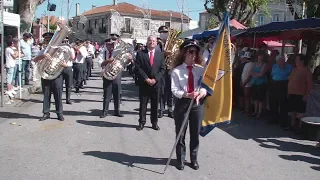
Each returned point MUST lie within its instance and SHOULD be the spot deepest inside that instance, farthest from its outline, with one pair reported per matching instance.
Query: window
(95, 23)
(127, 22)
(89, 23)
(261, 20)
(102, 23)
(275, 18)
(82, 26)
(146, 24)
(167, 24)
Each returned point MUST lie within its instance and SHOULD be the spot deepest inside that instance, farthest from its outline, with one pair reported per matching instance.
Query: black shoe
(118, 114)
(160, 114)
(103, 115)
(45, 117)
(156, 127)
(69, 102)
(170, 114)
(77, 90)
(140, 127)
(180, 166)
(60, 118)
(81, 87)
(195, 165)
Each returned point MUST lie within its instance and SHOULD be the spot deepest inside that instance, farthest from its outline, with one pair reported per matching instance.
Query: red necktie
(151, 58)
(190, 80)
(110, 54)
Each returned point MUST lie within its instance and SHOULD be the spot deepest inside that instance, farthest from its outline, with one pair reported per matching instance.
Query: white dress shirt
(206, 55)
(91, 49)
(179, 79)
(153, 51)
(73, 54)
(106, 53)
(83, 53)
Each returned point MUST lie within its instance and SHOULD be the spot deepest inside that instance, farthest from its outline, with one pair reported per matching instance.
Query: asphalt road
(87, 147)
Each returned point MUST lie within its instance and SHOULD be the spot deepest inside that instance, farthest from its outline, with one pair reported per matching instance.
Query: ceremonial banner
(217, 79)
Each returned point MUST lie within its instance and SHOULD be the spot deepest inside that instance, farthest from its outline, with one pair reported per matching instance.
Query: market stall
(9, 19)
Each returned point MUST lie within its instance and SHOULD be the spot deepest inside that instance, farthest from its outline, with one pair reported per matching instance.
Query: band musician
(81, 54)
(51, 86)
(166, 97)
(67, 73)
(150, 68)
(111, 87)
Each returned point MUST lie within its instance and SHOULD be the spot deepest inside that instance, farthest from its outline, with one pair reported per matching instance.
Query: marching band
(157, 81)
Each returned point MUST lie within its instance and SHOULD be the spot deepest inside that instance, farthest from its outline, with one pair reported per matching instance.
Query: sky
(192, 8)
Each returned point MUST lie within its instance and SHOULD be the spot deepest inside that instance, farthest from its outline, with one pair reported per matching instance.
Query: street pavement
(87, 147)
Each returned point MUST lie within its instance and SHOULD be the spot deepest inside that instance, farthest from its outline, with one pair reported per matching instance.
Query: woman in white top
(184, 78)
(11, 55)
(245, 82)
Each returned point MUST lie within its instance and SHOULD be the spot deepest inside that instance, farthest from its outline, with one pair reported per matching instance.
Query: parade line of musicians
(156, 83)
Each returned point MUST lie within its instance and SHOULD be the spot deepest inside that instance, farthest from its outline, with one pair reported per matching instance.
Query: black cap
(47, 34)
(108, 41)
(189, 43)
(79, 40)
(114, 36)
(27, 35)
(163, 29)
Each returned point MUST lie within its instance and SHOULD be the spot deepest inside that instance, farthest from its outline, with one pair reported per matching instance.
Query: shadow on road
(311, 160)
(11, 115)
(105, 124)
(128, 160)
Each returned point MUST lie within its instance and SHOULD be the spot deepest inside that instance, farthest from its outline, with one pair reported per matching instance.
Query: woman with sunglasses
(185, 75)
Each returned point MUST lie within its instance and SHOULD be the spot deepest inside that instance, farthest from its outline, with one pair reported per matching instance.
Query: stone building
(131, 22)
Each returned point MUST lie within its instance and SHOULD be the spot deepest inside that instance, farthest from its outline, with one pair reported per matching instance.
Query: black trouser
(89, 67)
(146, 93)
(195, 118)
(84, 72)
(67, 75)
(278, 101)
(111, 87)
(26, 70)
(54, 86)
(78, 74)
(166, 94)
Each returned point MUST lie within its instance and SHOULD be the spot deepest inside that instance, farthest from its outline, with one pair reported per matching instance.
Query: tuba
(50, 67)
(121, 52)
(172, 45)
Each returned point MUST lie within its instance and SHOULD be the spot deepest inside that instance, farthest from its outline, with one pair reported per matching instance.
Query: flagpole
(192, 101)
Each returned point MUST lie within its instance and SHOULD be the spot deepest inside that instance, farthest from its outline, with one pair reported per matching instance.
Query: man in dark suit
(150, 68)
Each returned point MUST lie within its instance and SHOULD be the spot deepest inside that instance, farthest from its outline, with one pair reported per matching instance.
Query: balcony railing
(127, 31)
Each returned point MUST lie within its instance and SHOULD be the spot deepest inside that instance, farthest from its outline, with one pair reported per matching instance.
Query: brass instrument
(50, 67)
(122, 52)
(172, 47)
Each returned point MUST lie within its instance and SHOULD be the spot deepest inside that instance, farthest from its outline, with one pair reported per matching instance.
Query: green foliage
(241, 10)
(53, 27)
(212, 23)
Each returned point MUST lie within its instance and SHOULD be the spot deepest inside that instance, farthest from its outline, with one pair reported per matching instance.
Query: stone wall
(137, 24)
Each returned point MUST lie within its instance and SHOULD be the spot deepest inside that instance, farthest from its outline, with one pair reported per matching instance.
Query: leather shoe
(170, 114)
(180, 166)
(69, 102)
(45, 117)
(156, 127)
(195, 165)
(160, 114)
(118, 114)
(60, 118)
(140, 127)
(103, 115)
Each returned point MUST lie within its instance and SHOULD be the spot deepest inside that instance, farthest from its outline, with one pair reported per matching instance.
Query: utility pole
(303, 16)
(68, 11)
(182, 14)
(48, 14)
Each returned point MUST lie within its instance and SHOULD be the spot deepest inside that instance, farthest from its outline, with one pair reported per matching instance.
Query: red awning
(276, 44)
(237, 25)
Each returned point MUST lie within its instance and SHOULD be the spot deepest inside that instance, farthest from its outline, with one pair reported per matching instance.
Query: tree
(240, 10)
(26, 9)
(212, 23)
(312, 10)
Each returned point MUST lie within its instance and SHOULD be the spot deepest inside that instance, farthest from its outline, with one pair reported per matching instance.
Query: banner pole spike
(179, 135)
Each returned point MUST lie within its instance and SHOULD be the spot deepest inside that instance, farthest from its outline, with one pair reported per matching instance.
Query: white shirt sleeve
(73, 54)
(177, 91)
(205, 55)
(83, 51)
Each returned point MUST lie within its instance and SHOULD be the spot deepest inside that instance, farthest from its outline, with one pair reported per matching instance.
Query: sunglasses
(192, 51)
